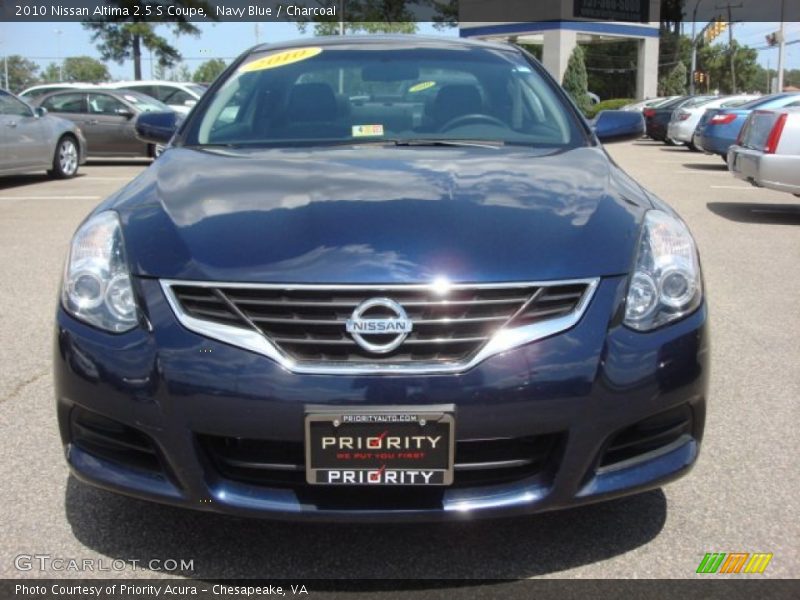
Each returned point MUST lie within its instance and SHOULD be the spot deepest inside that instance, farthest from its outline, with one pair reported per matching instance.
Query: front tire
(65, 160)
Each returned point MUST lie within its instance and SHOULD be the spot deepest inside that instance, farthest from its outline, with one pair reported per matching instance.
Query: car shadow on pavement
(705, 166)
(758, 213)
(119, 162)
(127, 529)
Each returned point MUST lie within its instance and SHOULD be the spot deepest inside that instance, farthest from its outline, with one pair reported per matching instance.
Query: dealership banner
(446, 12)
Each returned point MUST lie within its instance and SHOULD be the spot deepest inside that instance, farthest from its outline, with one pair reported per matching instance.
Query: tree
(119, 40)
(209, 70)
(85, 68)
(21, 72)
(52, 73)
(714, 60)
(674, 84)
(181, 73)
(576, 83)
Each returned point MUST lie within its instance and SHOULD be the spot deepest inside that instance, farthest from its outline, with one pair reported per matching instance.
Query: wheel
(669, 142)
(155, 150)
(65, 160)
(692, 147)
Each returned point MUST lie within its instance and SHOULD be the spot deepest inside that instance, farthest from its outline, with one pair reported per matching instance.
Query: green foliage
(575, 80)
(612, 104)
(716, 62)
(611, 68)
(674, 83)
(21, 73)
(209, 70)
(84, 68)
(52, 73)
(121, 40)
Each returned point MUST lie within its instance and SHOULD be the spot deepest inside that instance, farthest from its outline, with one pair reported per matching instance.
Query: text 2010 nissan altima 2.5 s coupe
(382, 278)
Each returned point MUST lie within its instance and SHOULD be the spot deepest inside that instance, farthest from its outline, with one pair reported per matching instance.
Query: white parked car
(767, 151)
(37, 91)
(179, 96)
(684, 120)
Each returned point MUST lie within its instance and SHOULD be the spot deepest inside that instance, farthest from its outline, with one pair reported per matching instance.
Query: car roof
(400, 41)
(117, 84)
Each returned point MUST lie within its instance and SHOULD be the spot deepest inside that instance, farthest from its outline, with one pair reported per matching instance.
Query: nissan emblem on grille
(359, 325)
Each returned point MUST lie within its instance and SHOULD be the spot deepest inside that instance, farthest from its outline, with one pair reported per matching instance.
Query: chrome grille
(307, 323)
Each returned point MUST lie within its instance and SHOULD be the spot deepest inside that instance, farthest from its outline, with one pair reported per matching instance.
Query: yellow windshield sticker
(425, 85)
(280, 59)
(367, 130)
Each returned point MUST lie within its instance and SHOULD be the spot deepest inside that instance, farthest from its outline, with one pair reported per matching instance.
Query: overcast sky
(43, 43)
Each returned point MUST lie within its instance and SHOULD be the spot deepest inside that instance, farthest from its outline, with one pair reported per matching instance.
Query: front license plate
(379, 447)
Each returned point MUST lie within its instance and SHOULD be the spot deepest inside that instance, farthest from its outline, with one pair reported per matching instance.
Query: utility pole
(781, 49)
(732, 49)
(58, 33)
(694, 47)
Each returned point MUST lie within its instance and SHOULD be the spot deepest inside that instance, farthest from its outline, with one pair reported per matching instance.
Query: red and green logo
(734, 562)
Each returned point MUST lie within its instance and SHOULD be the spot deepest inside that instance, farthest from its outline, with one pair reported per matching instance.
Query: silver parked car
(767, 152)
(32, 140)
(684, 121)
(106, 117)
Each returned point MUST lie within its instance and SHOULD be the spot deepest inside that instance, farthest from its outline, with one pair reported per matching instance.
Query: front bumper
(774, 171)
(588, 389)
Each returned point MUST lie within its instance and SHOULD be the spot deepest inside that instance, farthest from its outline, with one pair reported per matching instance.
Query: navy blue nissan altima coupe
(382, 278)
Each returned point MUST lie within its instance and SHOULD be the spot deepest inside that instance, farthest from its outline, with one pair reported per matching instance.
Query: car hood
(371, 213)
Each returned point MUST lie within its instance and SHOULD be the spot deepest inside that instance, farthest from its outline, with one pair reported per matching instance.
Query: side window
(104, 104)
(175, 96)
(147, 90)
(65, 103)
(12, 107)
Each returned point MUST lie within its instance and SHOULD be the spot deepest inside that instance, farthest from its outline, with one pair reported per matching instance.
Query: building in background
(559, 26)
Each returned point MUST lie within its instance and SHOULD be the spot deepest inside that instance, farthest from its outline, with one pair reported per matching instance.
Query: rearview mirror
(156, 127)
(618, 125)
(387, 71)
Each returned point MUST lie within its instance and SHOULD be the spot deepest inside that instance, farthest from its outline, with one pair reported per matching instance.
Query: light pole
(694, 47)
(781, 49)
(58, 33)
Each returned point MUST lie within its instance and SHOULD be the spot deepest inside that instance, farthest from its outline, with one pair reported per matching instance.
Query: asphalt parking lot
(741, 497)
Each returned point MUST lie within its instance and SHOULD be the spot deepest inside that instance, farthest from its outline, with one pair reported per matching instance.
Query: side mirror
(156, 127)
(124, 112)
(40, 111)
(618, 126)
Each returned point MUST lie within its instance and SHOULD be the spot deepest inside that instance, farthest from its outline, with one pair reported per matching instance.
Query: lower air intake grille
(308, 323)
(648, 435)
(477, 462)
(113, 441)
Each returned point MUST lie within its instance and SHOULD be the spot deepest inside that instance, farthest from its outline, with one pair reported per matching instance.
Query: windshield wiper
(447, 142)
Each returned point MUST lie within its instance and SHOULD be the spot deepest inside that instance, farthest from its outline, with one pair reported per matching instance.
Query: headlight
(97, 286)
(666, 283)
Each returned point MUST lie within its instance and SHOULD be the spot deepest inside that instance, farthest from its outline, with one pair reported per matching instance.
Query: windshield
(358, 93)
(198, 89)
(144, 103)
